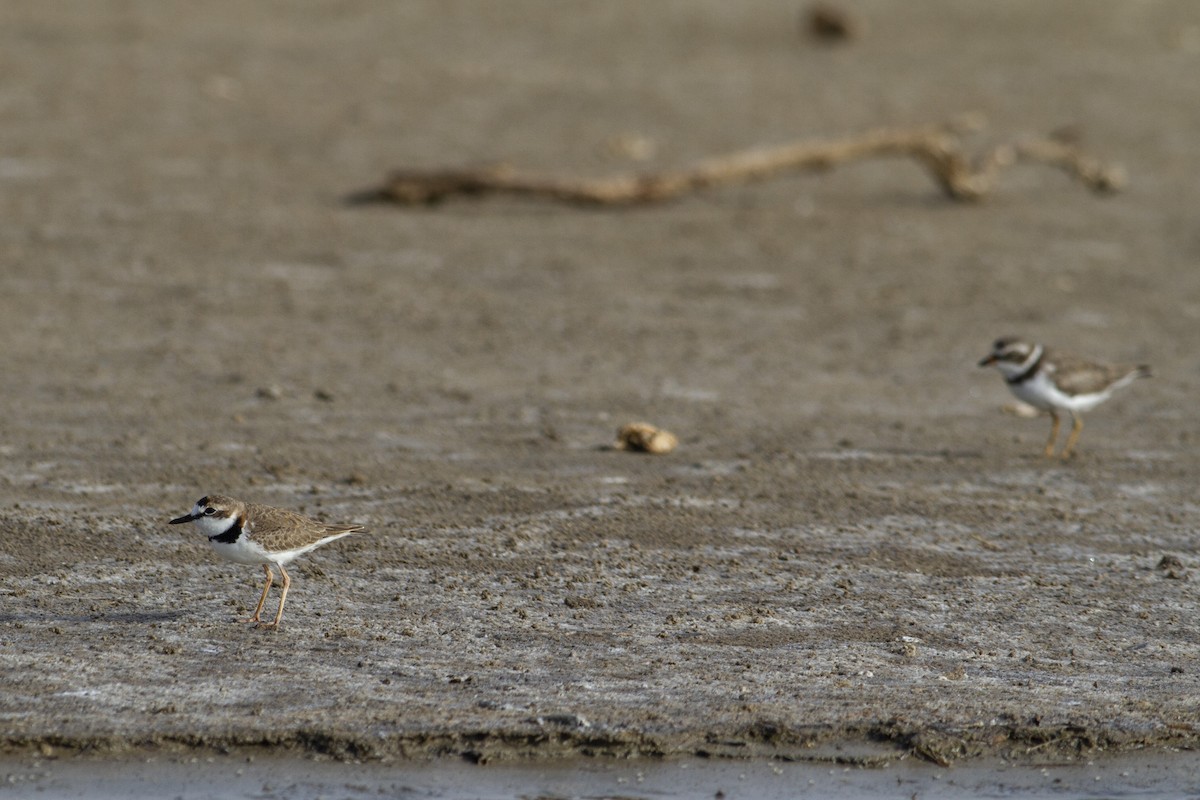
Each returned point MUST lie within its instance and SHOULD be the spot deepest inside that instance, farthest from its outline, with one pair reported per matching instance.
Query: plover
(1053, 381)
(249, 533)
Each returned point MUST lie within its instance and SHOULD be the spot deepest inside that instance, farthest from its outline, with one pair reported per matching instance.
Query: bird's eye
(208, 512)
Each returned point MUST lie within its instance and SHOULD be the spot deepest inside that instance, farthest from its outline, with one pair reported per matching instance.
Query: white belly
(247, 551)
(1040, 391)
(243, 551)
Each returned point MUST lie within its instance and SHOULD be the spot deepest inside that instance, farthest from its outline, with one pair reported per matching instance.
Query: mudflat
(852, 553)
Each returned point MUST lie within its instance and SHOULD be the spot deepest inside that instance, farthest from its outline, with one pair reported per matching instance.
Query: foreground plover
(1054, 382)
(249, 533)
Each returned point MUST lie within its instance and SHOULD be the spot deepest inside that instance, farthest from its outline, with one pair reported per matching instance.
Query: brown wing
(279, 529)
(1075, 375)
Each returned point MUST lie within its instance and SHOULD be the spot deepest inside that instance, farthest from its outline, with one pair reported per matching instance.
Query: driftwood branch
(939, 148)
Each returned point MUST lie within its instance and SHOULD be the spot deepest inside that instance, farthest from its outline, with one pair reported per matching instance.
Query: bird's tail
(1143, 371)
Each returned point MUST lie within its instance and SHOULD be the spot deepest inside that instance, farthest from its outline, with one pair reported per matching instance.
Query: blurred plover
(249, 533)
(1053, 381)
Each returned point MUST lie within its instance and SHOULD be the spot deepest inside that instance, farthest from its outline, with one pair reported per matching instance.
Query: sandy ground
(852, 554)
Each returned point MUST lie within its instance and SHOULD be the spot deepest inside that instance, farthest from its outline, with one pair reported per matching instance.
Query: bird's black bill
(184, 518)
(987, 362)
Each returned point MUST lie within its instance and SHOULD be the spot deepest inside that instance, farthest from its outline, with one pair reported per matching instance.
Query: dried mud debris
(939, 148)
(642, 437)
(831, 23)
(1172, 567)
(1021, 409)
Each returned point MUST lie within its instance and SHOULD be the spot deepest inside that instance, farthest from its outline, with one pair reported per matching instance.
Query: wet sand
(264, 778)
(852, 545)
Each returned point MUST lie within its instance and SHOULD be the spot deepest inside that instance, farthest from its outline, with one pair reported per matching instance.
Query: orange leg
(1049, 451)
(1076, 429)
(287, 582)
(263, 599)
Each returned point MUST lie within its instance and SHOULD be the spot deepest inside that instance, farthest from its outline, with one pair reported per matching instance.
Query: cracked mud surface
(851, 554)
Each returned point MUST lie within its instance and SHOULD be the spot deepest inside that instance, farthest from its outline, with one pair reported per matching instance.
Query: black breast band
(230, 536)
(1026, 374)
